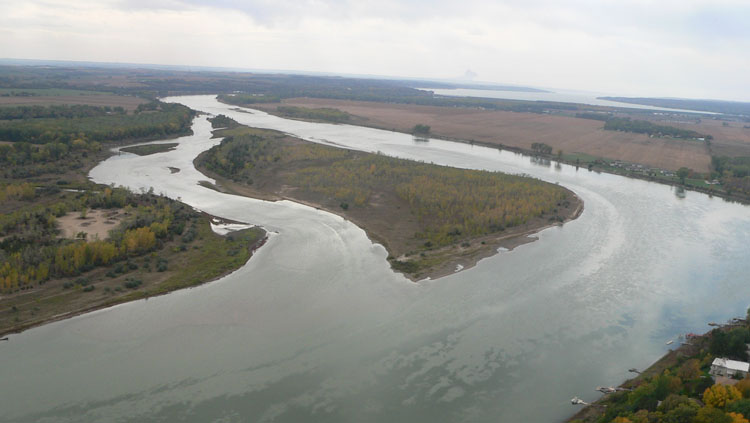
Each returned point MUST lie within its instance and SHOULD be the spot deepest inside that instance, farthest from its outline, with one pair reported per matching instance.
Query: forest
(650, 128)
(449, 204)
(32, 252)
(50, 140)
(160, 120)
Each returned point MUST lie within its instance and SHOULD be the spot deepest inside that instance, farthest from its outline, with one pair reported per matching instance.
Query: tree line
(61, 111)
(322, 113)
(650, 128)
(165, 120)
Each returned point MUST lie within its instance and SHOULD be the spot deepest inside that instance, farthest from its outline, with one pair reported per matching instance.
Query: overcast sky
(678, 48)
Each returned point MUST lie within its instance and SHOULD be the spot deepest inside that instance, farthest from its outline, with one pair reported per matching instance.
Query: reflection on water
(679, 192)
(317, 328)
(540, 161)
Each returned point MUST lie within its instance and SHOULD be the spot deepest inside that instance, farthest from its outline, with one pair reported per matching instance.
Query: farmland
(521, 130)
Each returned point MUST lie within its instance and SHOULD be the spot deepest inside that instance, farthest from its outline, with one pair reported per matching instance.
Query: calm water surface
(578, 97)
(316, 327)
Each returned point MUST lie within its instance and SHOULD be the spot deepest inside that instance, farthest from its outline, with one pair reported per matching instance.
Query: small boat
(670, 342)
(578, 401)
(4, 339)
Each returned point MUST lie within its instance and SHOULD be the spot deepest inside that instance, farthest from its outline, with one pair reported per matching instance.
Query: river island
(433, 220)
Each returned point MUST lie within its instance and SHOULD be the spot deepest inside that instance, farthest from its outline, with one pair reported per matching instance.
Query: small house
(729, 368)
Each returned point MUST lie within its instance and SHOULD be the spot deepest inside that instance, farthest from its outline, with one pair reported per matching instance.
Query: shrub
(162, 265)
(132, 283)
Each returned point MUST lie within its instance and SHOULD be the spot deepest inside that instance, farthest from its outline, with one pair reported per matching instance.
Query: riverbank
(419, 245)
(517, 130)
(592, 412)
(681, 376)
(62, 260)
(582, 142)
(177, 265)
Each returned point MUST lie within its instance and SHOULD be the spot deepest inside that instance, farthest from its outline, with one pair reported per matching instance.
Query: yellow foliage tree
(720, 395)
(738, 418)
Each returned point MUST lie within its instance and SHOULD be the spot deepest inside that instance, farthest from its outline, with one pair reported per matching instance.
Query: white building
(728, 368)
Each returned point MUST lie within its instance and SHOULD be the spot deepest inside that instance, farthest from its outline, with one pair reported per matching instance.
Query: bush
(162, 265)
(132, 283)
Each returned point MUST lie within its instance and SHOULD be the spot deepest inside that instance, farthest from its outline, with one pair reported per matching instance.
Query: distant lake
(559, 96)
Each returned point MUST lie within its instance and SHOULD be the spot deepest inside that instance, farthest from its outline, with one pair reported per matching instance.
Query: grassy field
(428, 217)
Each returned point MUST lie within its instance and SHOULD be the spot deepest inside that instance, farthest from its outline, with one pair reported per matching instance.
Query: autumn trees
(450, 204)
(31, 252)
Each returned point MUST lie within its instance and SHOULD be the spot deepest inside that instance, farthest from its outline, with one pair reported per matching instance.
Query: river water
(576, 97)
(316, 327)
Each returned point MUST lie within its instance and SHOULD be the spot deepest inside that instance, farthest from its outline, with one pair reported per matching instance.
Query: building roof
(731, 364)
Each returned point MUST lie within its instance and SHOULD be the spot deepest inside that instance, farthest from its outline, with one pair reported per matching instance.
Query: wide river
(317, 328)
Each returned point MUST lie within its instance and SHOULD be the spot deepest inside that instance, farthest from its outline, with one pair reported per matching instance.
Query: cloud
(675, 48)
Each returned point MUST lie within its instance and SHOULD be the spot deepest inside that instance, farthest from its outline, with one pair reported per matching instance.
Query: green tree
(740, 406)
(421, 129)
(683, 173)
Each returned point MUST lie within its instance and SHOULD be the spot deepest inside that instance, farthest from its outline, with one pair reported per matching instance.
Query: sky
(671, 48)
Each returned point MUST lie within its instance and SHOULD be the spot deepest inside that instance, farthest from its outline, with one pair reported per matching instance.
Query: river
(317, 328)
(559, 96)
